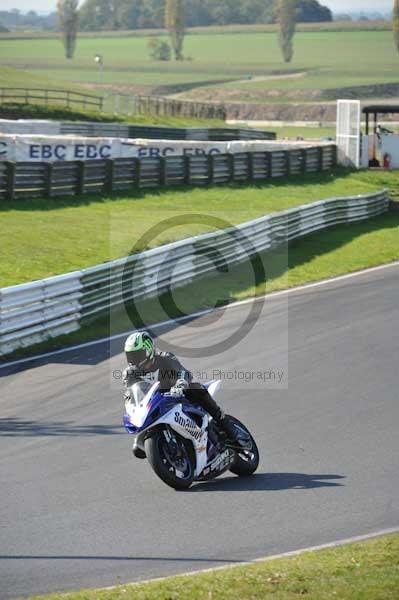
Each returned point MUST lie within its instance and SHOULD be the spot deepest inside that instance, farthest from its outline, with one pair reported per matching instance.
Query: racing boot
(228, 428)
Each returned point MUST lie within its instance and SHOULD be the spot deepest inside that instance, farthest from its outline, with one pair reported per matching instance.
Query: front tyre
(247, 459)
(171, 458)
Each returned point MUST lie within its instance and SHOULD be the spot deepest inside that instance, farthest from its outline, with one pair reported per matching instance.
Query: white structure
(377, 147)
(348, 132)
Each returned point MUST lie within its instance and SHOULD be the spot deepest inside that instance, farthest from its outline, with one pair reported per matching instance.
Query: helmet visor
(136, 358)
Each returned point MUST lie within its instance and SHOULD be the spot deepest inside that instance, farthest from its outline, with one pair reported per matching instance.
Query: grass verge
(33, 229)
(363, 571)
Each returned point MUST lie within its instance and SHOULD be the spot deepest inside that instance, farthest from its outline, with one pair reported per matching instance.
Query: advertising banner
(39, 148)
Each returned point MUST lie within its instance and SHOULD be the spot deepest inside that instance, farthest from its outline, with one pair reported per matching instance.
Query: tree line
(149, 14)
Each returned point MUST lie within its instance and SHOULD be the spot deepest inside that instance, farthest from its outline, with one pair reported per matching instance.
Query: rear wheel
(247, 459)
(171, 458)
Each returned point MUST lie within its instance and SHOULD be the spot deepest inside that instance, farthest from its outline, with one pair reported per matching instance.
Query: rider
(146, 362)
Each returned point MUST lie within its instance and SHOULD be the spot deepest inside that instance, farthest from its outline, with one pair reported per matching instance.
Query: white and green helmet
(139, 348)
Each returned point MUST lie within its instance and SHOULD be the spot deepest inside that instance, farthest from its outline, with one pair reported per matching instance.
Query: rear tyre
(247, 460)
(172, 461)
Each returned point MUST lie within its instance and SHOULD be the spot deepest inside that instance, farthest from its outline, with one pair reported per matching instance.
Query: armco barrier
(32, 179)
(163, 133)
(124, 130)
(36, 311)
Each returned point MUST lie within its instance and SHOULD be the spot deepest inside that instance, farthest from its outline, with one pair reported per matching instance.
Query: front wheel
(247, 459)
(171, 459)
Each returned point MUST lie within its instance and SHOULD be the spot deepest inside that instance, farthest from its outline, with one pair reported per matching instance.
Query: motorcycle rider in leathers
(145, 362)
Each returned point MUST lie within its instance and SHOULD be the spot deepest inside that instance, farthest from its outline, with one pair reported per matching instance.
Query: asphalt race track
(77, 511)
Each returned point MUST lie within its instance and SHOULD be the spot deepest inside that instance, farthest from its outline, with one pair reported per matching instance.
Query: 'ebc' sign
(51, 152)
(27, 148)
(39, 148)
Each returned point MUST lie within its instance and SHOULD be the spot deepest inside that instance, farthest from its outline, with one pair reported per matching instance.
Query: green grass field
(327, 60)
(31, 229)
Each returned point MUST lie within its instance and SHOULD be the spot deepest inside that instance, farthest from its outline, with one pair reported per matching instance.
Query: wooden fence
(29, 179)
(172, 107)
(67, 98)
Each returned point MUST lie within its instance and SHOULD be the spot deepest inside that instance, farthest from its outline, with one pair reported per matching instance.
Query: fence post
(211, 167)
(48, 179)
(68, 99)
(80, 181)
(10, 180)
(319, 158)
(109, 175)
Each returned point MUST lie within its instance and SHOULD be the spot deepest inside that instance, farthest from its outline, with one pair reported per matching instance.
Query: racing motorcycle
(181, 441)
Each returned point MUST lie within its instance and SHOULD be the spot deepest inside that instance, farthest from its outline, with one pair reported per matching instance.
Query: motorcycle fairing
(177, 417)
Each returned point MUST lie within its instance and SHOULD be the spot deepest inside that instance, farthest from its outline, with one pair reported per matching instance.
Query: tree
(287, 19)
(310, 11)
(69, 19)
(395, 23)
(174, 23)
(159, 49)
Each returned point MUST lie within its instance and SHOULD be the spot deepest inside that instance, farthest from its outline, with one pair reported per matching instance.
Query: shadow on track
(13, 427)
(119, 558)
(263, 482)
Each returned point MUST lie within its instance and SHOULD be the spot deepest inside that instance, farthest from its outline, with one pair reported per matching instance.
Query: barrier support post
(287, 163)
(334, 151)
(162, 170)
(48, 179)
(80, 181)
(268, 164)
(304, 156)
(11, 177)
(230, 160)
(137, 170)
(187, 165)
(250, 159)
(319, 158)
(211, 165)
(109, 175)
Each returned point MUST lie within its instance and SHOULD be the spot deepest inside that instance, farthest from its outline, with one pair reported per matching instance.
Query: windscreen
(139, 390)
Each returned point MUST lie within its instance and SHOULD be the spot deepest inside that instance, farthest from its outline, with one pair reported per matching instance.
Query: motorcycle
(181, 441)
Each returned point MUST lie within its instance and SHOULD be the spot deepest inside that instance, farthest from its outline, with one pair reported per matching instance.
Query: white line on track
(201, 313)
(335, 544)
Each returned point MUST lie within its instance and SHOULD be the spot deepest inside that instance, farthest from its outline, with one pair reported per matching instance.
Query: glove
(126, 374)
(177, 391)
